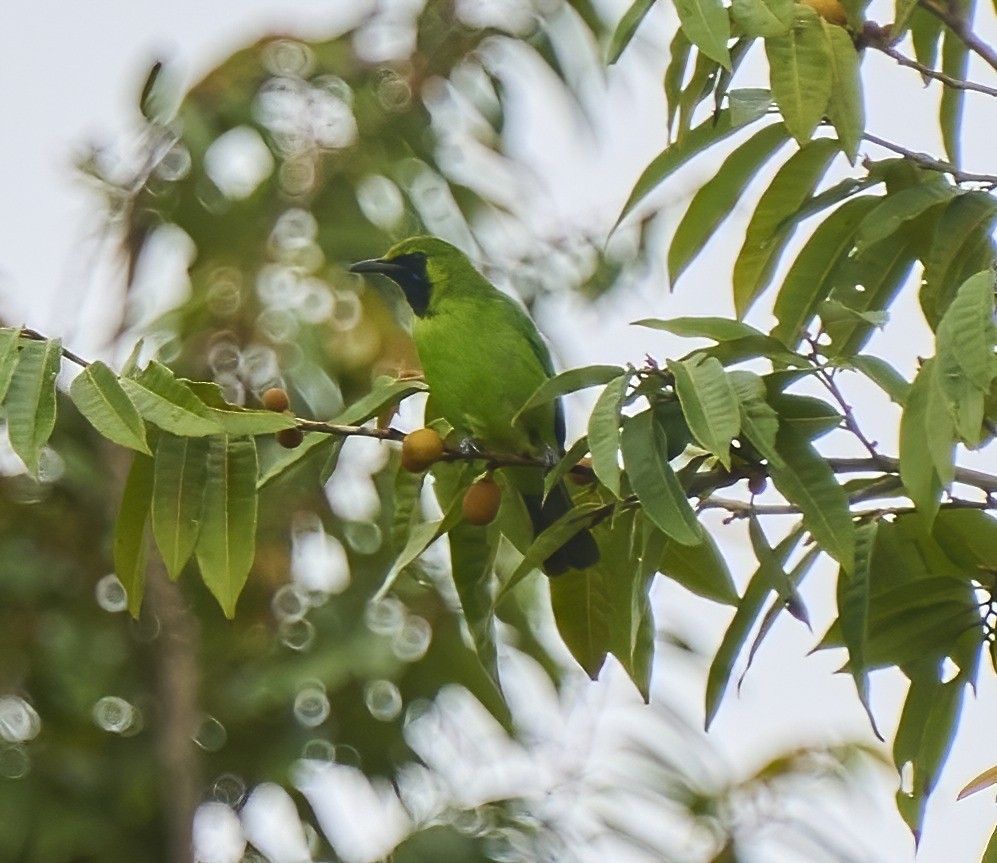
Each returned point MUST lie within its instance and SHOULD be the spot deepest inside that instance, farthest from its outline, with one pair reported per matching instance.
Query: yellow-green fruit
(420, 449)
(276, 400)
(290, 438)
(829, 10)
(481, 502)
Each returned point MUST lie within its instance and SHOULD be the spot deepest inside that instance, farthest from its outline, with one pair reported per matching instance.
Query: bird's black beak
(378, 265)
(406, 271)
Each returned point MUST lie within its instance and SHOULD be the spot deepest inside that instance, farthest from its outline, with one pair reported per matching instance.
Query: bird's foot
(550, 458)
(470, 447)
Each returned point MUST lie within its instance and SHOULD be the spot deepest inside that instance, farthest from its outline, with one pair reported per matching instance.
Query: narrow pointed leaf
(604, 433)
(707, 25)
(675, 73)
(748, 104)
(764, 240)
(102, 400)
(568, 461)
(811, 278)
(31, 399)
(166, 402)
(806, 480)
(846, 108)
(709, 404)
(627, 28)
(178, 498)
(883, 375)
(955, 64)
(901, 207)
(130, 551)
(716, 199)
(568, 382)
(917, 469)
(226, 544)
(759, 421)
(654, 482)
(798, 63)
(580, 607)
(700, 569)
(471, 559)
(709, 132)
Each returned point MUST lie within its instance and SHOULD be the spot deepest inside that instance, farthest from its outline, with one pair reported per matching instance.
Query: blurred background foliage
(289, 160)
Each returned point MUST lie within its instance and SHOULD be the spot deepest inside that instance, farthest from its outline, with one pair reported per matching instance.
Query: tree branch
(930, 163)
(35, 336)
(958, 24)
(928, 72)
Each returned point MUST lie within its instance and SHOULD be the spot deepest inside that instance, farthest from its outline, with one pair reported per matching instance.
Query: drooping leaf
(699, 568)
(764, 240)
(715, 200)
(759, 421)
(962, 245)
(471, 559)
(678, 60)
(811, 277)
(748, 103)
(853, 612)
(846, 108)
(166, 402)
(129, 531)
(701, 84)
(748, 609)
(604, 433)
(798, 64)
(568, 461)
(580, 609)
(102, 400)
(419, 538)
(806, 480)
(925, 32)
(31, 399)
(955, 64)
(568, 382)
(763, 17)
(709, 404)
(806, 415)
(917, 467)
(887, 378)
(237, 421)
(627, 28)
(654, 482)
(178, 498)
(226, 543)
(707, 25)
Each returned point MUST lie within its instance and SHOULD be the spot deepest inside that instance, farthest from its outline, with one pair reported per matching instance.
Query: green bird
(482, 358)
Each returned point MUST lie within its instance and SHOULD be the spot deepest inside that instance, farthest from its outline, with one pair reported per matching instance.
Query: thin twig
(958, 24)
(743, 509)
(929, 162)
(35, 336)
(928, 72)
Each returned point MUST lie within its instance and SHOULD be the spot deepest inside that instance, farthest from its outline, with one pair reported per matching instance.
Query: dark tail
(578, 552)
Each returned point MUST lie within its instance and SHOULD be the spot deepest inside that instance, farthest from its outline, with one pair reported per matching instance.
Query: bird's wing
(542, 353)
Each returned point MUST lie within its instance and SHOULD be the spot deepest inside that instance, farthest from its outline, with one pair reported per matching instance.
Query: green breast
(481, 368)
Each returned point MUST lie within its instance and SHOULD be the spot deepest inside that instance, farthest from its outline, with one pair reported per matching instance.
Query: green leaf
(314, 448)
(604, 433)
(925, 31)
(812, 275)
(718, 329)
(709, 404)
(178, 498)
(673, 157)
(955, 64)
(759, 421)
(654, 482)
(853, 612)
(31, 399)
(101, 399)
(386, 391)
(764, 239)
(166, 402)
(763, 17)
(702, 82)
(748, 609)
(846, 109)
(678, 60)
(799, 62)
(968, 537)
(902, 11)
(962, 245)
(883, 375)
(419, 538)
(568, 461)
(700, 569)
(580, 607)
(917, 465)
(716, 199)
(964, 365)
(899, 208)
(629, 549)
(226, 544)
(471, 559)
(806, 480)
(235, 420)
(748, 104)
(9, 339)
(707, 25)
(810, 417)
(568, 382)
(130, 550)
(626, 29)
